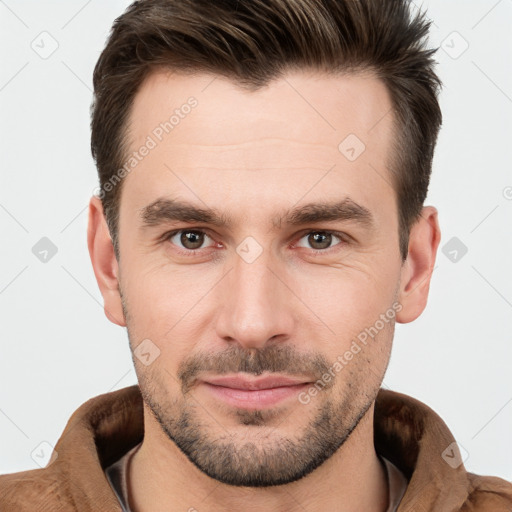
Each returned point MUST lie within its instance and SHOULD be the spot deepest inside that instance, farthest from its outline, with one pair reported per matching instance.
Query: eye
(321, 240)
(188, 239)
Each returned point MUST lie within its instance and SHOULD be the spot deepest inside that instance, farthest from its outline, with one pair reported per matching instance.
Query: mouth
(248, 392)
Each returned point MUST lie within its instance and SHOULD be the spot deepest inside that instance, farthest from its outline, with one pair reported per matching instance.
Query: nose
(256, 304)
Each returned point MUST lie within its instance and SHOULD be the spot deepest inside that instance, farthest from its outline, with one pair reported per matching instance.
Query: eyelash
(344, 239)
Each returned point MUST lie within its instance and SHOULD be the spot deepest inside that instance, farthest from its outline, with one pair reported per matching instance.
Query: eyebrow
(164, 210)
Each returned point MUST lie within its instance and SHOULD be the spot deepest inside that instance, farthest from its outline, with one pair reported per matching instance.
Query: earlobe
(104, 262)
(417, 270)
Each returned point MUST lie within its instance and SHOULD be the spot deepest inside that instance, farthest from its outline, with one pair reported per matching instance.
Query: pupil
(326, 239)
(191, 239)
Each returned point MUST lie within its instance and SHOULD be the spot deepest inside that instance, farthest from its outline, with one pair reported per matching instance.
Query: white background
(57, 347)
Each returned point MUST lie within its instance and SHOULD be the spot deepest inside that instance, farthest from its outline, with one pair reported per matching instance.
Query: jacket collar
(412, 436)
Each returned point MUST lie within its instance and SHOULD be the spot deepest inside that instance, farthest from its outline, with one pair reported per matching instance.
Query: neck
(353, 479)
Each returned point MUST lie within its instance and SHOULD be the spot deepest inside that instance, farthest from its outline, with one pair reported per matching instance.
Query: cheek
(158, 292)
(350, 301)
(347, 295)
(167, 305)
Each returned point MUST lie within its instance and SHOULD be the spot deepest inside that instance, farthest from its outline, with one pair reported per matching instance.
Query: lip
(254, 383)
(254, 393)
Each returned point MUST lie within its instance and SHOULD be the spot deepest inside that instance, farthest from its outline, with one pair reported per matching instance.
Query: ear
(417, 269)
(104, 262)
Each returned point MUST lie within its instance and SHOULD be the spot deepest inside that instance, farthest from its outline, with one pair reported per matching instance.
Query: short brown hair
(252, 42)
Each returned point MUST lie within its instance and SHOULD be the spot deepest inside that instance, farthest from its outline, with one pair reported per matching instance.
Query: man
(259, 230)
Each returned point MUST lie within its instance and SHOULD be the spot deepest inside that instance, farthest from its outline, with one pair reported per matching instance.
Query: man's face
(271, 291)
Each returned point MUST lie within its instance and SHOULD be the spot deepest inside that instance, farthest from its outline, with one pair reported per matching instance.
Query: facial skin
(212, 310)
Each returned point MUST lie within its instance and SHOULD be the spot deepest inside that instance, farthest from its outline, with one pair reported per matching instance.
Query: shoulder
(488, 493)
(26, 490)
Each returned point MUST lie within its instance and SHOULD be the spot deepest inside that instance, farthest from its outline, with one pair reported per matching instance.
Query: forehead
(309, 106)
(207, 135)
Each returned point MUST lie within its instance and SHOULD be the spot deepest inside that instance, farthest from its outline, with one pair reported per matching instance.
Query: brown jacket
(407, 432)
